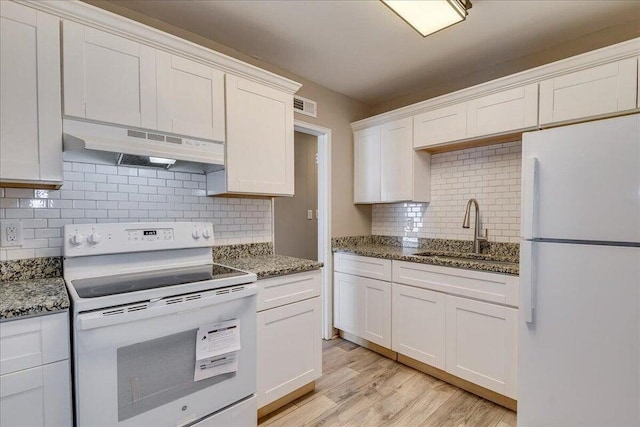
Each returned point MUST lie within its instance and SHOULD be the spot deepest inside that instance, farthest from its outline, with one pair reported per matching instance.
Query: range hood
(90, 142)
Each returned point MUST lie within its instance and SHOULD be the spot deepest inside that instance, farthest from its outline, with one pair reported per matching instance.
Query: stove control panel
(102, 239)
(150, 235)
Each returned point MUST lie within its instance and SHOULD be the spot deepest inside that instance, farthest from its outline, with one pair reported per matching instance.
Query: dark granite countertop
(32, 297)
(504, 264)
(265, 266)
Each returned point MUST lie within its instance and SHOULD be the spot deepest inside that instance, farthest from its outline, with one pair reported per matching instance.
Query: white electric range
(140, 293)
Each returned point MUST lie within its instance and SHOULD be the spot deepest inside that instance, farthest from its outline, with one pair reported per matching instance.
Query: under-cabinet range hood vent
(113, 145)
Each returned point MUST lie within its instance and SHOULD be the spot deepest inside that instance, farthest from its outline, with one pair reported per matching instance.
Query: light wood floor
(362, 388)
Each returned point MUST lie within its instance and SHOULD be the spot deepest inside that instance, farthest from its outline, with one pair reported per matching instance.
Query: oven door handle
(155, 308)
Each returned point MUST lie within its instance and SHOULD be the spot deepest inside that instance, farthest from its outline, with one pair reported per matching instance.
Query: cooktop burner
(132, 282)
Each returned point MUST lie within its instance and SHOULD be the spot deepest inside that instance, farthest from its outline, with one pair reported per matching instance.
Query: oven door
(134, 364)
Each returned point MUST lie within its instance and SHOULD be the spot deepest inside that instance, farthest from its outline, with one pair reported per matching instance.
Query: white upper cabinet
(597, 91)
(259, 140)
(439, 126)
(108, 78)
(396, 180)
(387, 169)
(190, 98)
(510, 110)
(30, 116)
(367, 162)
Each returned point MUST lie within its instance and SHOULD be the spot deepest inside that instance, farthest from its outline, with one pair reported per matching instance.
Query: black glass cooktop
(132, 282)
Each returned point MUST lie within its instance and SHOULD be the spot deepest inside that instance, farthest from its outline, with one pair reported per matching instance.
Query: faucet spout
(477, 236)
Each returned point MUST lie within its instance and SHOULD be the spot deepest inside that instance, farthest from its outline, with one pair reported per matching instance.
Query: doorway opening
(309, 132)
(295, 219)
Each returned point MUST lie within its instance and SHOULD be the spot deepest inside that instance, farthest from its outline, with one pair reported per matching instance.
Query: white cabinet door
(289, 349)
(25, 343)
(510, 110)
(419, 324)
(367, 162)
(30, 119)
(597, 91)
(39, 396)
(362, 307)
(396, 161)
(259, 139)
(376, 311)
(108, 78)
(439, 126)
(481, 344)
(190, 98)
(347, 303)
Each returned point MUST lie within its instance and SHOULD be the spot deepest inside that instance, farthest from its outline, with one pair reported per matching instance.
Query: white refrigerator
(579, 329)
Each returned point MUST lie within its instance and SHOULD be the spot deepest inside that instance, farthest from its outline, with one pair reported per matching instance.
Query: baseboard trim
(369, 345)
(286, 399)
(485, 393)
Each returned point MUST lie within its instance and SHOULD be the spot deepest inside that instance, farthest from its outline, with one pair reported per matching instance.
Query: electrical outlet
(11, 232)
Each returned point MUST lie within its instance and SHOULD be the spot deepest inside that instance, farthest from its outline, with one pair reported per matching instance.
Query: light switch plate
(309, 214)
(11, 232)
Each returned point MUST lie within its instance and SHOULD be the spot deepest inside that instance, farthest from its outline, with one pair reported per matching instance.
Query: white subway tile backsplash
(102, 193)
(489, 174)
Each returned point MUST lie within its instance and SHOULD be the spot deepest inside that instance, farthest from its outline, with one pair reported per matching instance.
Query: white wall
(489, 174)
(97, 193)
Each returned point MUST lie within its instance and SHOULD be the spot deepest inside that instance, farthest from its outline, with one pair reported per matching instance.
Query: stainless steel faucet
(477, 237)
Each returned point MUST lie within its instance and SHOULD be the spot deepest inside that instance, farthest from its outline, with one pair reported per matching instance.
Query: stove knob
(196, 234)
(77, 239)
(94, 238)
(205, 233)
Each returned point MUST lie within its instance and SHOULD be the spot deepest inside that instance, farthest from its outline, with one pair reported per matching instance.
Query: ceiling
(363, 50)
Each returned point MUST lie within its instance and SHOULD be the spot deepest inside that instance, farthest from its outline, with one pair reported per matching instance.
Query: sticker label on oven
(217, 346)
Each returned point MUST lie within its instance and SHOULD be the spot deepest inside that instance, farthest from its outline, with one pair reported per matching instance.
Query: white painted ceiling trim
(95, 17)
(617, 52)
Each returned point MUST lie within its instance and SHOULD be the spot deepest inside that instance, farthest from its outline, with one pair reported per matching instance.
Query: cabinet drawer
(491, 287)
(597, 91)
(288, 289)
(374, 268)
(39, 396)
(35, 341)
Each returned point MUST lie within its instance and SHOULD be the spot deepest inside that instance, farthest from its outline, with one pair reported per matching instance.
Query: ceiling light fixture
(429, 16)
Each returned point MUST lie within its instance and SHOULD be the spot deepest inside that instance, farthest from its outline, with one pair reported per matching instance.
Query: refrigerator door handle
(527, 281)
(529, 196)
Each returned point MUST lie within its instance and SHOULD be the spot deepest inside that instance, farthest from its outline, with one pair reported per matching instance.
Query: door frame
(325, 254)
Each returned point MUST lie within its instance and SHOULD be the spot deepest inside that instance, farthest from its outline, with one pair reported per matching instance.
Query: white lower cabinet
(289, 336)
(434, 315)
(418, 319)
(35, 380)
(482, 343)
(347, 305)
(376, 311)
(362, 307)
(39, 396)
